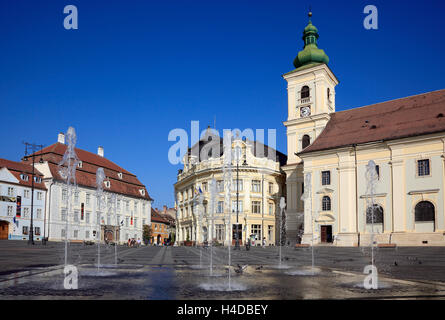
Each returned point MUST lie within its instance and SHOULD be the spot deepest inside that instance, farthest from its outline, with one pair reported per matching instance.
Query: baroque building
(404, 137)
(123, 194)
(257, 184)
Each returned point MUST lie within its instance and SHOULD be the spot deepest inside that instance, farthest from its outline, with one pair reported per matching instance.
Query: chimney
(165, 209)
(61, 138)
(100, 151)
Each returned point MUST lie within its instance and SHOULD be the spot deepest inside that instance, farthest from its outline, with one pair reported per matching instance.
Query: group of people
(133, 243)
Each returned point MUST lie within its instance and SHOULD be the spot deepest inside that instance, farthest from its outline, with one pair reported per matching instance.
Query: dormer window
(119, 174)
(79, 164)
(142, 191)
(24, 177)
(37, 179)
(107, 184)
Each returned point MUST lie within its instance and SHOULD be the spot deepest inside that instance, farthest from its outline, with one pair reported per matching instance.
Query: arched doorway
(4, 230)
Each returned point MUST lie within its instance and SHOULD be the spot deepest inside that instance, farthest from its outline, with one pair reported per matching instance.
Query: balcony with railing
(306, 100)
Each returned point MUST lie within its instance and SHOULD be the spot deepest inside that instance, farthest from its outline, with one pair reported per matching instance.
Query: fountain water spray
(212, 189)
(100, 177)
(282, 206)
(67, 170)
(227, 176)
(371, 181)
(307, 196)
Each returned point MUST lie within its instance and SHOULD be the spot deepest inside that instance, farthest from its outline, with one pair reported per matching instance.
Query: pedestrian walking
(264, 242)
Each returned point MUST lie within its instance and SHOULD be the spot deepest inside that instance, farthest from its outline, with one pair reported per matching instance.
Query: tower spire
(311, 53)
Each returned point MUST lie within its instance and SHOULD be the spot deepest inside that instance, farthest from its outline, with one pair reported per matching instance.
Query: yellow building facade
(260, 187)
(404, 137)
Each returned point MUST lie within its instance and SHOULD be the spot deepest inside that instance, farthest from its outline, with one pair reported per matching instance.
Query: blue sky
(136, 69)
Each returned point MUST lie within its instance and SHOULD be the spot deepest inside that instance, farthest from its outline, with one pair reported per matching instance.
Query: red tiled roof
(86, 175)
(156, 217)
(406, 117)
(17, 168)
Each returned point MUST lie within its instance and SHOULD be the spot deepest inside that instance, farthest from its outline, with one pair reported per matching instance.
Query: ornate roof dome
(311, 53)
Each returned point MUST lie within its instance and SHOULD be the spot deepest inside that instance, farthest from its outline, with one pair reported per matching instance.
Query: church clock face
(305, 111)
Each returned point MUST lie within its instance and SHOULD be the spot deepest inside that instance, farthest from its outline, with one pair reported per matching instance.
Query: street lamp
(33, 147)
(238, 152)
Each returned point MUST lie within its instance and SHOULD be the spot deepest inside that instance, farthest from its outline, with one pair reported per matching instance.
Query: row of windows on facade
(11, 210)
(26, 193)
(88, 234)
(25, 230)
(108, 201)
(423, 211)
(25, 177)
(220, 231)
(255, 208)
(236, 185)
(423, 169)
(78, 217)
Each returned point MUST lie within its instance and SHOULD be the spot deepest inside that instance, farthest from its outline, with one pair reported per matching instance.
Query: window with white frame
(256, 230)
(219, 232)
(26, 212)
(271, 207)
(256, 186)
(240, 206)
(127, 219)
(25, 230)
(220, 207)
(63, 216)
(37, 231)
(87, 199)
(271, 187)
(39, 213)
(256, 206)
(10, 191)
(26, 193)
(87, 217)
(127, 205)
(135, 222)
(39, 195)
(24, 177)
(76, 197)
(75, 234)
(10, 210)
(62, 233)
(237, 185)
(64, 194)
(76, 216)
(204, 187)
(87, 234)
(220, 186)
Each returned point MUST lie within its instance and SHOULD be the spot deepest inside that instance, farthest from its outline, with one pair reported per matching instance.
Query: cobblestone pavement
(408, 263)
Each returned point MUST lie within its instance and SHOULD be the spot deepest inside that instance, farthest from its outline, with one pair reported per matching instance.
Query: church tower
(311, 100)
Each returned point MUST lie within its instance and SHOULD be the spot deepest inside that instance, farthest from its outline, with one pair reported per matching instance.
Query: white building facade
(124, 205)
(15, 201)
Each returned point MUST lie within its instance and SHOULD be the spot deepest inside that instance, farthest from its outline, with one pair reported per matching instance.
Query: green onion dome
(310, 54)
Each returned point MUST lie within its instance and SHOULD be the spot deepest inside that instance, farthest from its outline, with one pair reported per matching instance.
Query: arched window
(326, 203)
(305, 141)
(376, 214)
(305, 92)
(329, 94)
(424, 211)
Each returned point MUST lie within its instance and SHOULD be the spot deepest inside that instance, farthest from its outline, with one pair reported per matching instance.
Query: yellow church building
(404, 137)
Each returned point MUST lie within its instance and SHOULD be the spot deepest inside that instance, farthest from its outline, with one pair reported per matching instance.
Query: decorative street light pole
(33, 148)
(237, 158)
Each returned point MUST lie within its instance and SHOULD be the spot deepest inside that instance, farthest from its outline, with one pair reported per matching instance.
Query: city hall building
(256, 176)
(404, 137)
(126, 205)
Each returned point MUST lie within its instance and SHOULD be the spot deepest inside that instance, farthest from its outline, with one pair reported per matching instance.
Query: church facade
(405, 138)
